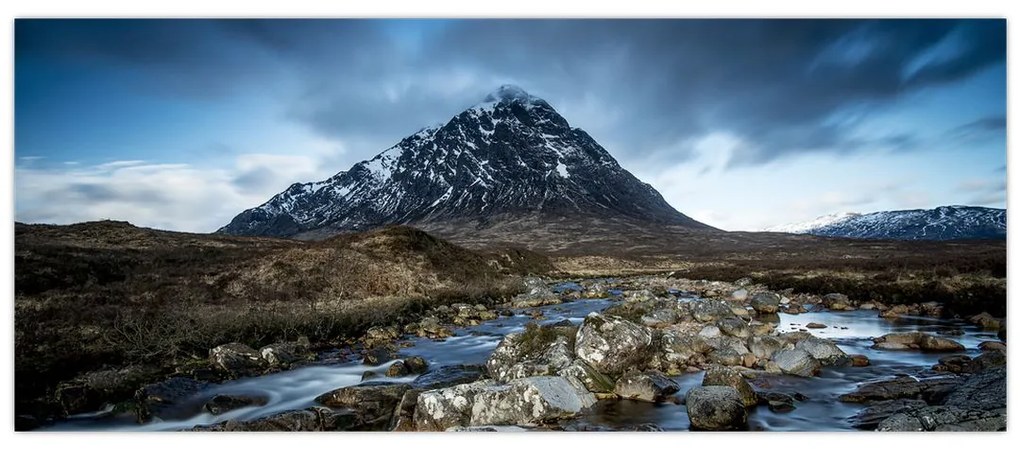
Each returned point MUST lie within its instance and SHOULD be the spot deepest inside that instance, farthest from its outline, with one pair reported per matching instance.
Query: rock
(734, 327)
(816, 326)
(797, 362)
(986, 320)
(985, 390)
(710, 332)
(739, 295)
(859, 360)
(448, 376)
(592, 380)
(416, 365)
(397, 369)
(236, 358)
(373, 402)
(648, 386)
(611, 345)
(992, 346)
(639, 296)
(539, 350)
(447, 407)
(930, 390)
(870, 417)
(777, 402)
(708, 310)
(719, 376)
(537, 294)
(837, 302)
(530, 400)
(957, 363)
(743, 282)
(319, 419)
(89, 392)
(381, 335)
(716, 408)
(431, 327)
(377, 356)
(944, 418)
(825, 351)
(285, 354)
(764, 347)
(765, 302)
(223, 403)
(168, 399)
(487, 429)
(916, 340)
(403, 416)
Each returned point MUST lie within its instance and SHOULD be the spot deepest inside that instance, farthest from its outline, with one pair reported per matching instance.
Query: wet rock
(719, 376)
(377, 356)
(776, 401)
(825, 351)
(286, 354)
(531, 400)
(837, 302)
(716, 408)
(223, 403)
(639, 295)
(985, 390)
(708, 310)
(870, 417)
(944, 418)
(895, 311)
(739, 295)
(373, 402)
(90, 391)
(369, 375)
(797, 362)
(930, 390)
(315, 419)
(710, 332)
(816, 326)
(648, 386)
(448, 407)
(986, 320)
(592, 380)
(765, 302)
(431, 327)
(381, 335)
(992, 346)
(916, 340)
(236, 358)
(727, 357)
(168, 399)
(611, 345)
(859, 360)
(397, 369)
(764, 347)
(734, 327)
(403, 416)
(416, 365)
(537, 294)
(448, 376)
(539, 350)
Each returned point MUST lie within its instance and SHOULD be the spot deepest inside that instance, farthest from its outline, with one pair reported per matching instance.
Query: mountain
(941, 223)
(509, 159)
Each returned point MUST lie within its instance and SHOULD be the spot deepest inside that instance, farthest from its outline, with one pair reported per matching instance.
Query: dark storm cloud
(644, 88)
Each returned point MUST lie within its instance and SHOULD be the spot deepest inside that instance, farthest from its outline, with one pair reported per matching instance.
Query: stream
(852, 331)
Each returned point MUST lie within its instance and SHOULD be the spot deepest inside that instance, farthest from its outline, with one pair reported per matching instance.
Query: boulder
(720, 376)
(315, 419)
(89, 392)
(992, 346)
(716, 408)
(986, 320)
(448, 407)
(816, 326)
(930, 390)
(765, 302)
(837, 302)
(223, 403)
(765, 346)
(169, 399)
(825, 351)
(708, 310)
(431, 327)
(397, 369)
(403, 416)
(916, 340)
(236, 358)
(285, 354)
(611, 345)
(536, 294)
(373, 402)
(859, 360)
(985, 390)
(592, 380)
(531, 400)
(943, 418)
(797, 362)
(377, 356)
(648, 386)
(539, 350)
(870, 417)
(734, 327)
(739, 295)
(776, 401)
(448, 376)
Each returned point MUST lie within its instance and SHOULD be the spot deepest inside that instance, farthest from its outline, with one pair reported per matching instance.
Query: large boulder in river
(236, 358)
(448, 407)
(539, 350)
(765, 346)
(765, 302)
(531, 400)
(648, 386)
(223, 403)
(726, 377)
(537, 294)
(592, 380)
(611, 344)
(447, 376)
(286, 353)
(825, 351)
(716, 408)
(170, 399)
(916, 340)
(313, 419)
(837, 302)
(797, 362)
(928, 389)
(374, 402)
(708, 310)
(943, 418)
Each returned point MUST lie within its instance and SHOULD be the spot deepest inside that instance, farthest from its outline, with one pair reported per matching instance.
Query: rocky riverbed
(642, 353)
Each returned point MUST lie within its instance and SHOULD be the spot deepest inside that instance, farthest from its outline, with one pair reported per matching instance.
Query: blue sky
(742, 124)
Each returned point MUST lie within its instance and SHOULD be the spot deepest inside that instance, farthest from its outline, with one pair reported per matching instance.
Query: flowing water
(852, 331)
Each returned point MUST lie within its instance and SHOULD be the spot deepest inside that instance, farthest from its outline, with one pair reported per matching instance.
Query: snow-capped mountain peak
(510, 155)
(804, 226)
(941, 223)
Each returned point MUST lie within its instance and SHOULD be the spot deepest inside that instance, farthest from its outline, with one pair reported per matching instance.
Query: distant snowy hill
(941, 223)
(510, 156)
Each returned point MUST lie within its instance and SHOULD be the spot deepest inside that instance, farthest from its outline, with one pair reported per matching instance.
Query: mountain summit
(510, 157)
(940, 223)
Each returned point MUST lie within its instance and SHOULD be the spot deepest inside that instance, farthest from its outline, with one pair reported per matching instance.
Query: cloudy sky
(742, 124)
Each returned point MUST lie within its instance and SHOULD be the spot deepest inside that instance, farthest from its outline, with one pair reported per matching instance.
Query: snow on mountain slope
(941, 223)
(510, 155)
